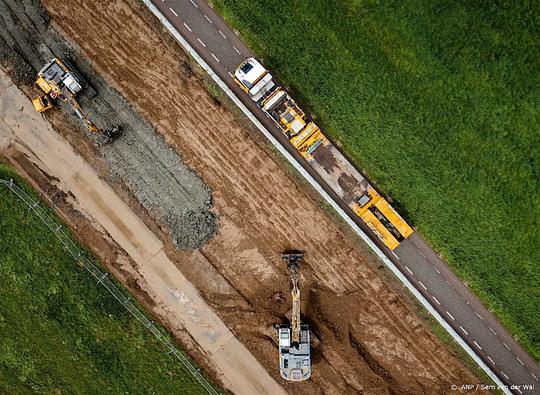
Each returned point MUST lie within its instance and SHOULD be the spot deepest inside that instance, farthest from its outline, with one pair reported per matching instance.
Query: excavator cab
(42, 103)
(60, 82)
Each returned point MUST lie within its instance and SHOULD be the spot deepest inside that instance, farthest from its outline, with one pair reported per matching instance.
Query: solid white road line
(464, 331)
(236, 49)
(187, 27)
(436, 300)
(520, 361)
(422, 285)
(491, 360)
(476, 344)
(215, 57)
(201, 41)
(222, 35)
(409, 270)
(173, 11)
(323, 193)
(450, 315)
(195, 5)
(208, 19)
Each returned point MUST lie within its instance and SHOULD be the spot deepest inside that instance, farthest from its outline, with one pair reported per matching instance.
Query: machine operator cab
(254, 79)
(294, 359)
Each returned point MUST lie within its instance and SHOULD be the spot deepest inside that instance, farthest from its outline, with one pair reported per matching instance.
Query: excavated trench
(367, 338)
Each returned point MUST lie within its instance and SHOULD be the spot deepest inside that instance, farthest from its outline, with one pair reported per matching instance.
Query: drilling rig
(294, 343)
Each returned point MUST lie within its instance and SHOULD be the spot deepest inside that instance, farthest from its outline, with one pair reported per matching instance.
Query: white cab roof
(249, 71)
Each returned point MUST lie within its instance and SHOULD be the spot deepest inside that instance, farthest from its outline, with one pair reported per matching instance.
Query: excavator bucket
(109, 135)
(292, 258)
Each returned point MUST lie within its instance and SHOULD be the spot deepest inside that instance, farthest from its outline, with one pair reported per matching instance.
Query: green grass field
(61, 332)
(439, 102)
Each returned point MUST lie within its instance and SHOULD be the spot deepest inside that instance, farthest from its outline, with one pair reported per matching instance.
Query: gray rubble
(151, 170)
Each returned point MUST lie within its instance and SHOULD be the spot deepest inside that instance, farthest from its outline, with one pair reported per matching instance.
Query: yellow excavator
(59, 82)
(293, 338)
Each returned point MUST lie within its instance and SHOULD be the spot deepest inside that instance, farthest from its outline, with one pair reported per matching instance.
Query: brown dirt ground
(369, 338)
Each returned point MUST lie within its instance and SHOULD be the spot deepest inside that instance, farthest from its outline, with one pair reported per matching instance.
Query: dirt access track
(368, 338)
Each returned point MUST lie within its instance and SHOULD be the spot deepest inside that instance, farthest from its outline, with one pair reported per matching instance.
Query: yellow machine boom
(294, 339)
(58, 81)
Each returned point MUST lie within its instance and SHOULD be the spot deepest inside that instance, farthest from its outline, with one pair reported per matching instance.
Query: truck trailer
(319, 152)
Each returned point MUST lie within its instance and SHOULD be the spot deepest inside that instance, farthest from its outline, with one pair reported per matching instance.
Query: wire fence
(102, 278)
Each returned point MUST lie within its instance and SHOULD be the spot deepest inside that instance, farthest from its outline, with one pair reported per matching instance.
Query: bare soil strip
(367, 336)
(171, 292)
(152, 172)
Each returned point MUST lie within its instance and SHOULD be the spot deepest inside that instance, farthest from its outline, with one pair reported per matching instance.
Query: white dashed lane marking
(505, 375)
(393, 253)
(437, 270)
(215, 57)
(208, 19)
(194, 5)
(492, 331)
(491, 360)
(237, 51)
(506, 345)
(477, 345)
(409, 270)
(450, 315)
(422, 285)
(187, 27)
(232, 76)
(222, 35)
(520, 361)
(436, 300)
(532, 374)
(173, 11)
(464, 331)
(202, 43)
(479, 316)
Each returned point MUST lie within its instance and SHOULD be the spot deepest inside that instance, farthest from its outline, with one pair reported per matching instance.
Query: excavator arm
(292, 260)
(294, 343)
(108, 134)
(57, 81)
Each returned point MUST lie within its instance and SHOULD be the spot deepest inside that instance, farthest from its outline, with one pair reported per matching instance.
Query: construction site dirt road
(144, 259)
(368, 337)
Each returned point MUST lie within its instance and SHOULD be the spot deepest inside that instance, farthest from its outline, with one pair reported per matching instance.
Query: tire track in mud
(262, 209)
(139, 159)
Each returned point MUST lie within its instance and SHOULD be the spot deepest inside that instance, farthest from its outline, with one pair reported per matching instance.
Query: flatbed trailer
(319, 152)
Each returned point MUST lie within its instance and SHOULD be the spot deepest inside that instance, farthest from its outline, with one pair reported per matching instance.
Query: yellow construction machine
(293, 338)
(382, 219)
(59, 82)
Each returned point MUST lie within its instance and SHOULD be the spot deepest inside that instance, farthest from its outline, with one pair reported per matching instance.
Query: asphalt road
(220, 47)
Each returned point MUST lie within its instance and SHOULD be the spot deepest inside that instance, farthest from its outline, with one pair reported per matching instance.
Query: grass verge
(60, 332)
(438, 102)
